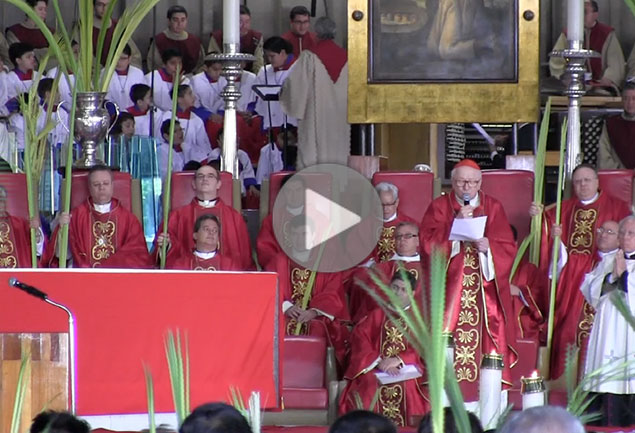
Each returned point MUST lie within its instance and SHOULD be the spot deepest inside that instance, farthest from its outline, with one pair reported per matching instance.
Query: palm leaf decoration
(179, 367)
(20, 392)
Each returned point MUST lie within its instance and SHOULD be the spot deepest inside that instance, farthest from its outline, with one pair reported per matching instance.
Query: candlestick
(575, 20)
(231, 22)
(490, 388)
(533, 390)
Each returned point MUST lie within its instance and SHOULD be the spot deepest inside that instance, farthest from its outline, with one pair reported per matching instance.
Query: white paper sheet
(468, 229)
(407, 372)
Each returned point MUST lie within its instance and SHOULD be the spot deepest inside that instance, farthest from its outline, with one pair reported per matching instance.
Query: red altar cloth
(122, 318)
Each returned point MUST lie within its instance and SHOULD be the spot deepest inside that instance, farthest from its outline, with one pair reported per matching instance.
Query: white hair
(543, 419)
(387, 186)
(625, 220)
(453, 172)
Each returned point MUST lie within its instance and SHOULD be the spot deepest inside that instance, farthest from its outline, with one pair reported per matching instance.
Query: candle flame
(534, 375)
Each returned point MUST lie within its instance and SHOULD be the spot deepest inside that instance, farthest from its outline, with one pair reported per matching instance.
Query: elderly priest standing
(102, 233)
(612, 340)
(478, 300)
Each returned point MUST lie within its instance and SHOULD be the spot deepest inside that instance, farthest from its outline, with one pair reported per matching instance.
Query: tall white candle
(575, 20)
(490, 388)
(231, 22)
(533, 391)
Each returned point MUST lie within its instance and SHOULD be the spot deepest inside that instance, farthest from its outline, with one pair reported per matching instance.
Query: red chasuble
(300, 43)
(190, 48)
(622, 137)
(191, 262)
(33, 37)
(234, 242)
(385, 248)
(533, 285)
(360, 302)
(377, 336)
(326, 296)
(15, 242)
(478, 312)
(574, 317)
(332, 56)
(109, 240)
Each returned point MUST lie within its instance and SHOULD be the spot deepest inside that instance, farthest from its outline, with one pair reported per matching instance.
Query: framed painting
(442, 61)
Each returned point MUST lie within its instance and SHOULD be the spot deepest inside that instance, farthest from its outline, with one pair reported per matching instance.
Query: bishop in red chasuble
(15, 237)
(479, 309)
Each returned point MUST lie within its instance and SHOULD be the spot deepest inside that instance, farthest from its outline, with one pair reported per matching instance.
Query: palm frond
(20, 392)
(150, 396)
(178, 376)
(631, 5)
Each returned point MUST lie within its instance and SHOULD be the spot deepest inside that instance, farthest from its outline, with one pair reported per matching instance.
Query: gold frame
(444, 103)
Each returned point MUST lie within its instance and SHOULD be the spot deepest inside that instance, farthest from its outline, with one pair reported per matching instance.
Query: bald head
(607, 239)
(543, 419)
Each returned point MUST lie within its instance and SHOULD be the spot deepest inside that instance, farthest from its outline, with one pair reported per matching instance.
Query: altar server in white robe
(612, 339)
(316, 94)
(123, 79)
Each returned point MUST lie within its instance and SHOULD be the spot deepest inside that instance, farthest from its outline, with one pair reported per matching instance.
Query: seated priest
(102, 233)
(581, 216)
(205, 256)
(15, 237)
(607, 71)
(612, 339)
(313, 302)
(389, 197)
(478, 300)
(617, 142)
(234, 240)
(406, 257)
(379, 345)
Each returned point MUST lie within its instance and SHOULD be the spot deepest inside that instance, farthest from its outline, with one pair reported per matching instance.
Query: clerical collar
(295, 211)
(629, 256)
(407, 259)
(207, 203)
(205, 255)
(591, 200)
(392, 218)
(102, 208)
(629, 117)
(603, 254)
(474, 202)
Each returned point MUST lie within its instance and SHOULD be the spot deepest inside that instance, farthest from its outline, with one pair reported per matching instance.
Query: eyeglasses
(607, 231)
(389, 204)
(405, 236)
(468, 182)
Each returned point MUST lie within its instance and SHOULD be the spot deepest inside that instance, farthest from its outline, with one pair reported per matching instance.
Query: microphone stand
(72, 342)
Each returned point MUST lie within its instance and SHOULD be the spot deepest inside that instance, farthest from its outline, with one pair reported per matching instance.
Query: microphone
(466, 199)
(29, 289)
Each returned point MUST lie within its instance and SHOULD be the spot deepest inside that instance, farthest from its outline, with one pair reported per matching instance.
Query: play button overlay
(327, 218)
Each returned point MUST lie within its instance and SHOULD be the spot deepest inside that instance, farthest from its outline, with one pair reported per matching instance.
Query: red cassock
(360, 302)
(300, 43)
(234, 242)
(110, 240)
(191, 262)
(326, 296)
(477, 328)
(533, 285)
(573, 316)
(15, 242)
(377, 336)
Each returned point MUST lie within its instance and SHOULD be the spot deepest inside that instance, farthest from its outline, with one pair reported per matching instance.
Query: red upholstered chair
(415, 190)
(275, 181)
(122, 188)
(17, 203)
(515, 190)
(618, 183)
(182, 192)
(309, 383)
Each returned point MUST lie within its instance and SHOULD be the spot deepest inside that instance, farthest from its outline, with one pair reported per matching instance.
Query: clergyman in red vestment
(205, 256)
(479, 307)
(299, 35)
(311, 309)
(102, 233)
(406, 256)
(580, 218)
(234, 241)
(378, 345)
(15, 237)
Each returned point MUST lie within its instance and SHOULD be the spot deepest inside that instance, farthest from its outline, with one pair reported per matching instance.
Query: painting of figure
(443, 41)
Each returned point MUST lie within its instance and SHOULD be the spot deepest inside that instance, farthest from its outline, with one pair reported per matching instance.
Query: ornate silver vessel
(91, 126)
